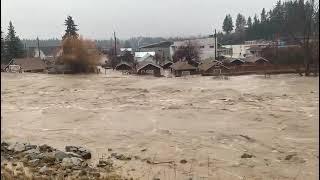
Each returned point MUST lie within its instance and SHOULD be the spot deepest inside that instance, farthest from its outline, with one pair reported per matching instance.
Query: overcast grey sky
(98, 18)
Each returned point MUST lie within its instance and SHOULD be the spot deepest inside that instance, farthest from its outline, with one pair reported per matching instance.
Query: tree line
(286, 19)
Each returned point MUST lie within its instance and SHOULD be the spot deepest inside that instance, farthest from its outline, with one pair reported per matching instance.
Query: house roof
(206, 66)
(160, 44)
(28, 64)
(144, 64)
(232, 60)
(168, 62)
(123, 64)
(180, 65)
(253, 59)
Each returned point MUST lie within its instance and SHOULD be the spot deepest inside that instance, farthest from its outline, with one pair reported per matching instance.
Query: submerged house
(233, 61)
(123, 66)
(256, 60)
(181, 68)
(145, 68)
(29, 64)
(213, 68)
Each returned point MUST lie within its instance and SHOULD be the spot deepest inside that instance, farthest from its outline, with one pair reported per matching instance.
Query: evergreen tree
(263, 16)
(227, 24)
(13, 45)
(240, 23)
(2, 46)
(249, 22)
(71, 30)
(256, 20)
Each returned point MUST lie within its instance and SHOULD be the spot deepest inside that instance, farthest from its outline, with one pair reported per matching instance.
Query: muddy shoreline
(26, 161)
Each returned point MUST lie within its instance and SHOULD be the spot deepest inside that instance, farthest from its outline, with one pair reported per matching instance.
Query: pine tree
(227, 24)
(263, 16)
(71, 30)
(249, 22)
(240, 23)
(2, 46)
(256, 20)
(13, 45)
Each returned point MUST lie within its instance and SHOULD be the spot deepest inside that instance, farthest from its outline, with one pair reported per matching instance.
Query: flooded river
(195, 127)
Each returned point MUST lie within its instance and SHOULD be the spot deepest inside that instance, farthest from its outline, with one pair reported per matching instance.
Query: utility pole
(26, 50)
(215, 44)
(115, 43)
(38, 47)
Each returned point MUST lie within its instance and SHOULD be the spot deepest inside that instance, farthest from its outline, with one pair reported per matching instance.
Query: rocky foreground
(26, 161)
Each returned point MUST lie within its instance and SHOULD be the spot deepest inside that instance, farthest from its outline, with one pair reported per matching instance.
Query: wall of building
(205, 46)
(238, 51)
(241, 50)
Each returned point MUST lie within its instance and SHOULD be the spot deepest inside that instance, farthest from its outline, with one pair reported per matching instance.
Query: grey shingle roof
(182, 66)
(29, 64)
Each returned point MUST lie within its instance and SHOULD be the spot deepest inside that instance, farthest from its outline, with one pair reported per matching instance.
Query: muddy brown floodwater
(204, 125)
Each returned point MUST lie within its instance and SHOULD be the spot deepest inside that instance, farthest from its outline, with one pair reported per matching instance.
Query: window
(201, 46)
(211, 46)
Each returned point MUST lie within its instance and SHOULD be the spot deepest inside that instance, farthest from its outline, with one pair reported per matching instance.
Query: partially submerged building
(150, 68)
(233, 61)
(125, 67)
(256, 60)
(182, 68)
(29, 64)
(213, 68)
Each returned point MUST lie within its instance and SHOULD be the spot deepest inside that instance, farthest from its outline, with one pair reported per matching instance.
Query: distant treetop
(71, 30)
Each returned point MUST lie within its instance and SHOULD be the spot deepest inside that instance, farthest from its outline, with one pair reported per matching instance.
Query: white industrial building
(243, 50)
(206, 46)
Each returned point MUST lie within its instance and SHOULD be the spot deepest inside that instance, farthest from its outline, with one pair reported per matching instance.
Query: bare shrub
(79, 54)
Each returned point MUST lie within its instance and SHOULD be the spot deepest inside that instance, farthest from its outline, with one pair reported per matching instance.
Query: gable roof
(166, 63)
(254, 59)
(123, 64)
(144, 64)
(206, 66)
(180, 65)
(29, 64)
(232, 60)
